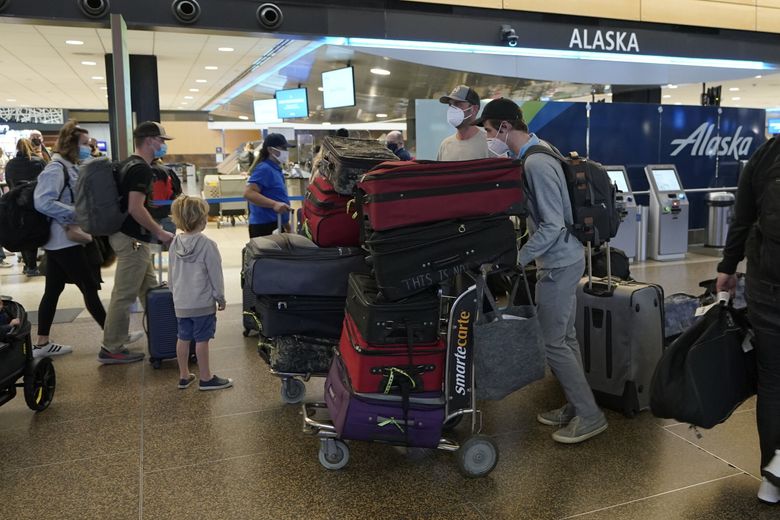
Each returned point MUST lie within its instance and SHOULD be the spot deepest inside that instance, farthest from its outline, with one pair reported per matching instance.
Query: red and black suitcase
(391, 369)
(405, 193)
(344, 160)
(411, 260)
(329, 219)
(383, 322)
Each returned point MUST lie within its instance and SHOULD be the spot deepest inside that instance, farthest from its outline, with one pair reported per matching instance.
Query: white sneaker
(135, 336)
(51, 349)
(768, 493)
(772, 470)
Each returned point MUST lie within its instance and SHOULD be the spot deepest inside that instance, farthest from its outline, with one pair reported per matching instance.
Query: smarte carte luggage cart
(478, 455)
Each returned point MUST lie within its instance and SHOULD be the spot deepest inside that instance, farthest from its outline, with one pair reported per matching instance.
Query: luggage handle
(610, 288)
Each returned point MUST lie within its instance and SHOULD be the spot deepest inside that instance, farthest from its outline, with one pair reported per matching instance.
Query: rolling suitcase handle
(279, 230)
(610, 287)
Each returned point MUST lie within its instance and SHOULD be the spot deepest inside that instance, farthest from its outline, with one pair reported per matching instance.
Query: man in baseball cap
(150, 129)
(468, 142)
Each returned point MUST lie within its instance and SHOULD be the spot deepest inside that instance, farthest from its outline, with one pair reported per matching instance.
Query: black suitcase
(293, 265)
(248, 297)
(382, 322)
(409, 260)
(298, 354)
(303, 315)
(345, 159)
(162, 329)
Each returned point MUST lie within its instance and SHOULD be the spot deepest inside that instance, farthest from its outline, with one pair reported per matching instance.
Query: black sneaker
(215, 383)
(185, 383)
(122, 357)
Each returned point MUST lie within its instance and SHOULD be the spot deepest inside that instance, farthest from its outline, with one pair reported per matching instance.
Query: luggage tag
(722, 297)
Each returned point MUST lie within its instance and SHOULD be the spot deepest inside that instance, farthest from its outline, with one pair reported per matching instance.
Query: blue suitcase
(161, 326)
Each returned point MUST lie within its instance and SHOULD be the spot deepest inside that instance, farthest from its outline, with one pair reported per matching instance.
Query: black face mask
(36, 142)
(392, 146)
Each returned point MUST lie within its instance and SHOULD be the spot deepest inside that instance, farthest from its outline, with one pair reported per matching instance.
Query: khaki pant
(134, 277)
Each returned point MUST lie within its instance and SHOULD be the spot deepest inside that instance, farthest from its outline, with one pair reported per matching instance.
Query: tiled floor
(122, 442)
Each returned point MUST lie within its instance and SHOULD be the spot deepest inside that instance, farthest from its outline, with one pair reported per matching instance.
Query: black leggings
(261, 230)
(30, 258)
(69, 265)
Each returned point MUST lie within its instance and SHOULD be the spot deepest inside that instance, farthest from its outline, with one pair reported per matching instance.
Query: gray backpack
(99, 208)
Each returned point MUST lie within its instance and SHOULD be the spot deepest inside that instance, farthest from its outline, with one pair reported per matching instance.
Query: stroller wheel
(39, 384)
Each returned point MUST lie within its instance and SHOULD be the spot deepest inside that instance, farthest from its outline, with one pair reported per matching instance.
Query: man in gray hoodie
(560, 263)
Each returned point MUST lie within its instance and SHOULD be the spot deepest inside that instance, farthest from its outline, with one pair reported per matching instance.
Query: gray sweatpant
(556, 301)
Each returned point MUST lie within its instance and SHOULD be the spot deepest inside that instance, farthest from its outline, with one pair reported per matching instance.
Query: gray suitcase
(620, 329)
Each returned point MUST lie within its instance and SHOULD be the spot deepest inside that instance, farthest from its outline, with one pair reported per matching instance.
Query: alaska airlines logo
(705, 144)
(599, 40)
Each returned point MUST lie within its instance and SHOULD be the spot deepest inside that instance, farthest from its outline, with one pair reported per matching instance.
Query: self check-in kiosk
(668, 214)
(626, 235)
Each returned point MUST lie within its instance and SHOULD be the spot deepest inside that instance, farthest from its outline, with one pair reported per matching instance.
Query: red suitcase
(386, 368)
(328, 217)
(402, 193)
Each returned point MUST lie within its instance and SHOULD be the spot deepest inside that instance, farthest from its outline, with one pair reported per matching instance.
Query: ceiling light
(184, 103)
(736, 98)
(98, 78)
(734, 89)
(226, 49)
(25, 105)
(201, 81)
(667, 96)
(74, 42)
(321, 89)
(381, 115)
(759, 76)
(90, 63)
(671, 86)
(244, 118)
(678, 103)
(11, 100)
(211, 67)
(194, 90)
(380, 72)
(188, 97)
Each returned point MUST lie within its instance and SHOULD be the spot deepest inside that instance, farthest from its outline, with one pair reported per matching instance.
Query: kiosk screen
(618, 177)
(666, 180)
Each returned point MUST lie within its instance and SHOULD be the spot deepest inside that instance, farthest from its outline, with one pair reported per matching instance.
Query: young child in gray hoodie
(197, 284)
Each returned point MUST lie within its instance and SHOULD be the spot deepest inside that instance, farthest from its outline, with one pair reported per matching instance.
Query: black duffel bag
(706, 373)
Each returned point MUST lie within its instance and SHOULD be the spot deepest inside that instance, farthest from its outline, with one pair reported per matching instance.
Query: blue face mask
(85, 152)
(392, 146)
(162, 151)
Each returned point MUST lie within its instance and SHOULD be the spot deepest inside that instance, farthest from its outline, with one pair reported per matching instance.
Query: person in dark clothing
(395, 143)
(754, 233)
(25, 167)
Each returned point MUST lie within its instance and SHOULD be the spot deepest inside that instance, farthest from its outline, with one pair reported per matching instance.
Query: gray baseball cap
(461, 93)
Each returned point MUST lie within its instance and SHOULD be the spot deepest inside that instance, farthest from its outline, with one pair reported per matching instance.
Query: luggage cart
(231, 186)
(478, 455)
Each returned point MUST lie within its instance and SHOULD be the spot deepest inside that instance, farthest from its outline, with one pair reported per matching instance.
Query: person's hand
(221, 306)
(165, 237)
(726, 283)
(14, 322)
(281, 207)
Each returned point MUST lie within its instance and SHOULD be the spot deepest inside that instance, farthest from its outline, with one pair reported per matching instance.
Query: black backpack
(591, 193)
(22, 227)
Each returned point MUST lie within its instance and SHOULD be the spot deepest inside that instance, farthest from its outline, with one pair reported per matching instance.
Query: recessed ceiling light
(736, 98)
(226, 49)
(11, 100)
(381, 115)
(667, 96)
(90, 63)
(734, 89)
(188, 97)
(25, 105)
(103, 88)
(321, 89)
(759, 76)
(325, 123)
(243, 118)
(380, 72)
(671, 86)
(201, 81)
(74, 42)
(194, 90)
(184, 103)
(211, 67)
(98, 78)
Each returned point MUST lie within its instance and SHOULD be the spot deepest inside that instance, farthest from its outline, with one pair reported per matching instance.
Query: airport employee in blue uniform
(266, 190)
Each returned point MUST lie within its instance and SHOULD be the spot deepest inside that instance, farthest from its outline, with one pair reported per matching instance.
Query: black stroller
(16, 361)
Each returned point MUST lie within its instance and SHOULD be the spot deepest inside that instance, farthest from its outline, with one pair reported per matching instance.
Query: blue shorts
(198, 328)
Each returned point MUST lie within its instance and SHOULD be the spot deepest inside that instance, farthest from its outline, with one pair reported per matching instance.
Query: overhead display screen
(666, 180)
(265, 111)
(618, 177)
(292, 103)
(338, 88)
(773, 126)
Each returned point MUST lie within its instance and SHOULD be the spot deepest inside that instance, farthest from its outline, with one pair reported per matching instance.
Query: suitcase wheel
(334, 454)
(477, 456)
(39, 384)
(156, 363)
(293, 390)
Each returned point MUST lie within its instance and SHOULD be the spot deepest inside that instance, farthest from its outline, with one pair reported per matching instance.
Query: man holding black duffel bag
(755, 233)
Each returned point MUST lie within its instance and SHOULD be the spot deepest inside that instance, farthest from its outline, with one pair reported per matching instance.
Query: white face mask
(283, 156)
(498, 147)
(456, 116)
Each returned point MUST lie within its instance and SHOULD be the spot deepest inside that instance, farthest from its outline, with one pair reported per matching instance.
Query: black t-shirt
(138, 177)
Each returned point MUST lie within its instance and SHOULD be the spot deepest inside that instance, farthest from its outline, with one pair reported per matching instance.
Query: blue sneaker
(185, 383)
(215, 383)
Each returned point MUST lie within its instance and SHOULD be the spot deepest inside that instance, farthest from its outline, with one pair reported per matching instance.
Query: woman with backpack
(25, 167)
(66, 254)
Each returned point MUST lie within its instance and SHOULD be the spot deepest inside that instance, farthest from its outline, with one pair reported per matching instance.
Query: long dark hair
(68, 140)
(262, 156)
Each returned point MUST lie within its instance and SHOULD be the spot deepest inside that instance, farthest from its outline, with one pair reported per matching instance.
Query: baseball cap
(277, 141)
(461, 93)
(500, 109)
(150, 129)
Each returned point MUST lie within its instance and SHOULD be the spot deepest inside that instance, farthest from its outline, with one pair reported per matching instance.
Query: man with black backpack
(755, 233)
(134, 271)
(560, 264)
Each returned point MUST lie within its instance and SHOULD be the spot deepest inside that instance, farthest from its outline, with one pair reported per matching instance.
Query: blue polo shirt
(268, 176)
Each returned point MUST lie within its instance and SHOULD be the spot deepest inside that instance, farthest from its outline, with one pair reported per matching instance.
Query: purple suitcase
(379, 417)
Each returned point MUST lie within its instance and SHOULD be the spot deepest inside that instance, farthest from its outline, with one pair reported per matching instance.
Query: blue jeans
(764, 313)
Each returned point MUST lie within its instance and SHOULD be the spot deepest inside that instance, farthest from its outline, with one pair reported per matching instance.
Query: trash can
(719, 207)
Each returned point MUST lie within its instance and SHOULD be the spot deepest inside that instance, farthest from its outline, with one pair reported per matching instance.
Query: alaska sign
(598, 40)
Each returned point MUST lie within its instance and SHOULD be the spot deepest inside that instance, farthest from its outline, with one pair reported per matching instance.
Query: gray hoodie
(195, 275)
